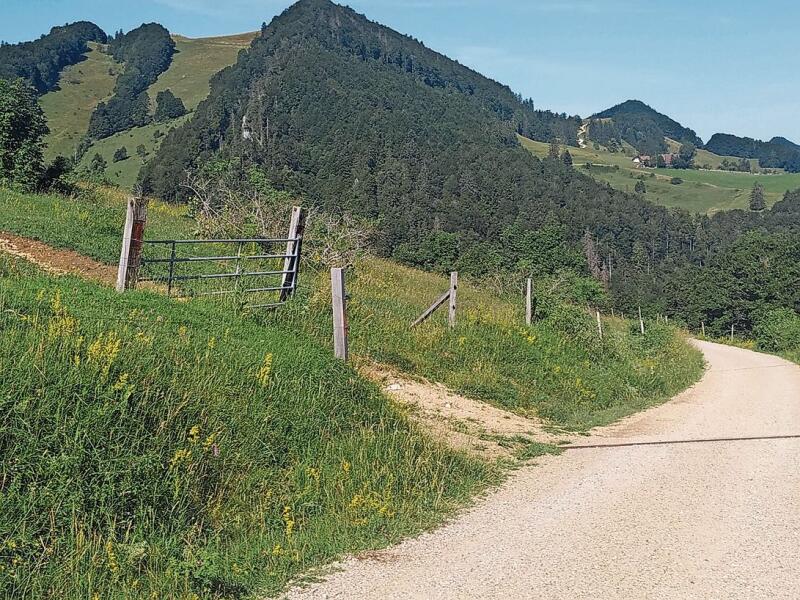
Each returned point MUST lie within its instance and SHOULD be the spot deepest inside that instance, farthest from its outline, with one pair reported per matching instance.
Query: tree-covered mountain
(782, 141)
(778, 153)
(357, 118)
(147, 52)
(40, 62)
(641, 126)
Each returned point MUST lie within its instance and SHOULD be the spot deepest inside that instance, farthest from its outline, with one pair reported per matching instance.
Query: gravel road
(643, 517)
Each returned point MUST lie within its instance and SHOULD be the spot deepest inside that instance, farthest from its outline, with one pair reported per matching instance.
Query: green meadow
(702, 191)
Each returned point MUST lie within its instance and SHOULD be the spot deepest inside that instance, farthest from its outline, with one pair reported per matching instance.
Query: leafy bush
(676, 181)
(778, 330)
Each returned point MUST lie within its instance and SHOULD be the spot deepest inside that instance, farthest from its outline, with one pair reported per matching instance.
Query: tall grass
(557, 369)
(89, 223)
(155, 449)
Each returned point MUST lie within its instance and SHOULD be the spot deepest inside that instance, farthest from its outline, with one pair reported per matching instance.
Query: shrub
(778, 330)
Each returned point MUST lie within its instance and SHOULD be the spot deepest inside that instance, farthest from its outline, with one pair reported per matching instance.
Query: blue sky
(713, 65)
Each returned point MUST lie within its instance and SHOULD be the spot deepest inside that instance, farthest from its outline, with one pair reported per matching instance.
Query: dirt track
(647, 516)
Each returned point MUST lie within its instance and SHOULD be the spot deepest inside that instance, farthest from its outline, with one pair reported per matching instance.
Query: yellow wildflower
(122, 381)
(111, 558)
(288, 519)
(265, 370)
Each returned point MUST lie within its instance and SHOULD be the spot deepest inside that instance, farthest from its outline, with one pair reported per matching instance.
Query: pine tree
(120, 154)
(757, 201)
(555, 148)
(567, 158)
(640, 187)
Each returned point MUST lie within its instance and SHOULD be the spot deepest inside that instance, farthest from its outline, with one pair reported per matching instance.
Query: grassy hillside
(579, 382)
(195, 62)
(708, 160)
(701, 192)
(557, 369)
(82, 87)
(178, 451)
(124, 173)
(182, 448)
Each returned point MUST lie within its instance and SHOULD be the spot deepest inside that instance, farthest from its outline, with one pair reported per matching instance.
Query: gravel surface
(709, 519)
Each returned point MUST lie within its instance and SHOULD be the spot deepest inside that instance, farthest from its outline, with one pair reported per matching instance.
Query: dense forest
(778, 153)
(641, 126)
(40, 62)
(357, 118)
(147, 52)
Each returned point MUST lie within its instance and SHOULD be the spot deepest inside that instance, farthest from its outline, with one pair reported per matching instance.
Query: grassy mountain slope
(195, 63)
(703, 191)
(68, 108)
(125, 173)
(84, 85)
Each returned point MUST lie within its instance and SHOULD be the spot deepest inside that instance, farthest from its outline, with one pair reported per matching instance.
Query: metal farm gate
(259, 272)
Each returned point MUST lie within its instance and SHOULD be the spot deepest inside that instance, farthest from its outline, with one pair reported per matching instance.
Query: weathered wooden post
(291, 263)
(599, 325)
(451, 319)
(641, 321)
(731, 331)
(703, 328)
(132, 240)
(339, 302)
(529, 302)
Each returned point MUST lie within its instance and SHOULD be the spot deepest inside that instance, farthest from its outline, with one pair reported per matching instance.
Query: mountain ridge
(641, 126)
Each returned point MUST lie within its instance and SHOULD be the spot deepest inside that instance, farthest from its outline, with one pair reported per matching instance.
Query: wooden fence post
(529, 302)
(703, 327)
(451, 319)
(132, 240)
(599, 325)
(339, 302)
(641, 321)
(291, 264)
(731, 331)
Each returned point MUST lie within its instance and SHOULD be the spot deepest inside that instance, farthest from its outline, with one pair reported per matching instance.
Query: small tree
(640, 187)
(168, 106)
(567, 158)
(141, 152)
(98, 165)
(120, 154)
(22, 127)
(757, 201)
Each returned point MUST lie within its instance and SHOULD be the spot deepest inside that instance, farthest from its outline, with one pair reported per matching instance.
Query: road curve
(635, 519)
